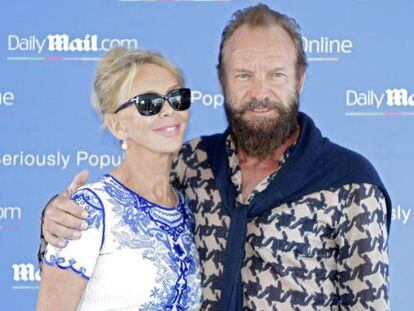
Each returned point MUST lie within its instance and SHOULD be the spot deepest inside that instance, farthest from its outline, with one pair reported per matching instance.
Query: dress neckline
(174, 207)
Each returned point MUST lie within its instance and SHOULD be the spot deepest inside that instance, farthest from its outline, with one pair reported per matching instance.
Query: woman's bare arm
(59, 289)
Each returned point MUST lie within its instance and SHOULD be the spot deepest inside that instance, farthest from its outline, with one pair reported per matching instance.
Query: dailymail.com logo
(65, 43)
(26, 272)
(396, 97)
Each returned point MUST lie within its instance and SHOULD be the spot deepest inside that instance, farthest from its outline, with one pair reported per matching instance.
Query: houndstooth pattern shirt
(325, 251)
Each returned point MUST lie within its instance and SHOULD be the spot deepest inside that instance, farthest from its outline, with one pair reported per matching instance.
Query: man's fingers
(70, 221)
(60, 231)
(53, 240)
(77, 181)
(62, 204)
(66, 220)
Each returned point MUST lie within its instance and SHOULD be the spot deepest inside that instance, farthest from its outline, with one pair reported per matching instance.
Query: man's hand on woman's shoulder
(62, 218)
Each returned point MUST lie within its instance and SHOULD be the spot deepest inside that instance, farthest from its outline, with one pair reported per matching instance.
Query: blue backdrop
(358, 89)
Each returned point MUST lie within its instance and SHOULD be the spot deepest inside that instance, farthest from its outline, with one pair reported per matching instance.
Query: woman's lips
(168, 130)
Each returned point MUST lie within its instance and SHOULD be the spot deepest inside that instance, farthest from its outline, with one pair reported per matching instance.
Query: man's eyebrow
(241, 70)
(277, 68)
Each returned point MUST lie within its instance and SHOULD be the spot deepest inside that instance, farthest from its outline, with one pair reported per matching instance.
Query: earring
(124, 145)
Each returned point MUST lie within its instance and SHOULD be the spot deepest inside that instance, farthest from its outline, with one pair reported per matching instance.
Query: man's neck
(254, 169)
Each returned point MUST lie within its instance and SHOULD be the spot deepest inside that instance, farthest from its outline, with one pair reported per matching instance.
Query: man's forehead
(261, 43)
(252, 55)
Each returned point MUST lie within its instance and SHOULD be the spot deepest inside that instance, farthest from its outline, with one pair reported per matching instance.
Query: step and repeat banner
(359, 90)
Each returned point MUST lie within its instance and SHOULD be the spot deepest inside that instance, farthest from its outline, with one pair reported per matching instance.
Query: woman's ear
(115, 126)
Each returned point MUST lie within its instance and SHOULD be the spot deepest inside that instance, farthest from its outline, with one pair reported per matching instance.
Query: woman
(138, 252)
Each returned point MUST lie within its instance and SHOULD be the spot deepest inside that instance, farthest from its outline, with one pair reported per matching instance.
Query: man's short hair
(262, 16)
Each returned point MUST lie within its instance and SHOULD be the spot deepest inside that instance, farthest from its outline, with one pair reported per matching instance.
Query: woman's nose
(167, 109)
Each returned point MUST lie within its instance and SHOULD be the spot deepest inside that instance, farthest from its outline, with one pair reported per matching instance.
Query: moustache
(260, 104)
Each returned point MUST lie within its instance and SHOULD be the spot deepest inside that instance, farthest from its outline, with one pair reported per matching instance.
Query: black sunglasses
(149, 104)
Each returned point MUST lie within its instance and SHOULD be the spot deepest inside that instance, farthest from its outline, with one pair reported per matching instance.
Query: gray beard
(260, 137)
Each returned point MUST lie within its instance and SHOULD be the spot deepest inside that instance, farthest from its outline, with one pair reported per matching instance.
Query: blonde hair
(116, 73)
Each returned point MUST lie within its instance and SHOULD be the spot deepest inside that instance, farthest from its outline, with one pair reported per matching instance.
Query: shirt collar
(235, 169)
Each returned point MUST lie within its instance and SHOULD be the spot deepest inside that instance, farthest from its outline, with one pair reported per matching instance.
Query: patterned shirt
(136, 255)
(325, 251)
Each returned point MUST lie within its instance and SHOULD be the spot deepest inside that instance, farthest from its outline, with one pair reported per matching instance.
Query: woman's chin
(168, 147)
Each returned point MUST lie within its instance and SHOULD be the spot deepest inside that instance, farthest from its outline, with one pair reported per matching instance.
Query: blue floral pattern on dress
(165, 236)
(64, 263)
(156, 241)
(92, 204)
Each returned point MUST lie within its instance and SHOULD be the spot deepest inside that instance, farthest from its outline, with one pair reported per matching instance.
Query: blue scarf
(315, 164)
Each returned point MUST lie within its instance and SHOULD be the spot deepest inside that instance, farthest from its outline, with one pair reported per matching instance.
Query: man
(285, 219)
